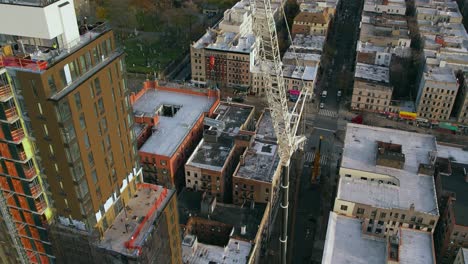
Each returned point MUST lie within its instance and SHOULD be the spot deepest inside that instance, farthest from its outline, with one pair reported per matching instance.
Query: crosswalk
(330, 113)
(309, 159)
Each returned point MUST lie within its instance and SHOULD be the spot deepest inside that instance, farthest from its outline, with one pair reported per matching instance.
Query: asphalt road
(314, 201)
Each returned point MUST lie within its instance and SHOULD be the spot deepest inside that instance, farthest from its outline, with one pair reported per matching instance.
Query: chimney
(242, 160)
(243, 230)
(412, 207)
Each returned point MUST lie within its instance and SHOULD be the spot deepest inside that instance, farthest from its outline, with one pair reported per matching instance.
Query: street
(313, 202)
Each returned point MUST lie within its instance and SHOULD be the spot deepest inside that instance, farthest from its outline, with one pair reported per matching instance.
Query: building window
(100, 105)
(52, 85)
(86, 141)
(163, 162)
(90, 159)
(94, 176)
(97, 87)
(403, 217)
(383, 215)
(432, 222)
(344, 207)
(360, 210)
(77, 100)
(82, 121)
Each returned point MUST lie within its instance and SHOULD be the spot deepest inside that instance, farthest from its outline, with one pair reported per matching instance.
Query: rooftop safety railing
(39, 58)
(38, 3)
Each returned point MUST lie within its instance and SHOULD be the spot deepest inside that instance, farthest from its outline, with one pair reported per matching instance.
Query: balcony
(17, 134)
(40, 206)
(29, 172)
(5, 93)
(35, 190)
(11, 114)
(22, 155)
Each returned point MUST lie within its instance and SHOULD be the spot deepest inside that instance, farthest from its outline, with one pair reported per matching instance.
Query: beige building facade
(437, 92)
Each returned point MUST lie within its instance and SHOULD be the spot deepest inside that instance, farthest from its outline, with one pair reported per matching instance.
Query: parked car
(322, 105)
(324, 94)
(338, 93)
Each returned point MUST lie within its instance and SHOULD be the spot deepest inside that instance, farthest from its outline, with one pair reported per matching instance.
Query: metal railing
(38, 3)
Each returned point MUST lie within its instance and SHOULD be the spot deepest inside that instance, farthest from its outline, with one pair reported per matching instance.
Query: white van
(324, 94)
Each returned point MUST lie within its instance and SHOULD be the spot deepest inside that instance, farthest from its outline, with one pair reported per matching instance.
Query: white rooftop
(307, 42)
(307, 73)
(194, 252)
(345, 243)
(360, 154)
(372, 72)
(465, 254)
(416, 247)
(455, 154)
(440, 74)
(171, 131)
(312, 57)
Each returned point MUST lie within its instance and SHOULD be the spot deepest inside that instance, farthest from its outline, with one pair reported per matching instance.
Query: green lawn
(155, 53)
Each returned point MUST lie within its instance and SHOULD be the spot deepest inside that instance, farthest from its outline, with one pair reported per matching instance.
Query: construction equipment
(316, 170)
(285, 122)
(23, 257)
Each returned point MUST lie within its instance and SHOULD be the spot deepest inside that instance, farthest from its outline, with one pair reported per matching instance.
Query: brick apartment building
(312, 23)
(211, 165)
(169, 124)
(222, 233)
(256, 178)
(372, 90)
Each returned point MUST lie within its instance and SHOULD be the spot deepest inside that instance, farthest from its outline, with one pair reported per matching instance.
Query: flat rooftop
(360, 155)
(194, 252)
(307, 43)
(189, 204)
(126, 224)
(454, 154)
(306, 73)
(212, 155)
(260, 162)
(440, 74)
(170, 131)
(312, 57)
(372, 72)
(416, 247)
(456, 183)
(465, 254)
(265, 129)
(43, 53)
(233, 115)
(345, 244)
(386, 2)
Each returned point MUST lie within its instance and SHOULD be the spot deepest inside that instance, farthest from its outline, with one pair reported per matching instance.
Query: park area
(156, 34)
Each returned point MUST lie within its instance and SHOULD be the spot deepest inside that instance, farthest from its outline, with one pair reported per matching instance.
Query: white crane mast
(285, 123)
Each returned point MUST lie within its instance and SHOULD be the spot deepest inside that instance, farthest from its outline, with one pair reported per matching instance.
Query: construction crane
(316, 170)
(285, 121)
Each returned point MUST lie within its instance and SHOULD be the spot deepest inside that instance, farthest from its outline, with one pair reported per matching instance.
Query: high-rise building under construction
(69, 166)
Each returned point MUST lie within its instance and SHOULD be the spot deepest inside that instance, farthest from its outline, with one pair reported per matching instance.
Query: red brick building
(169, 124)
